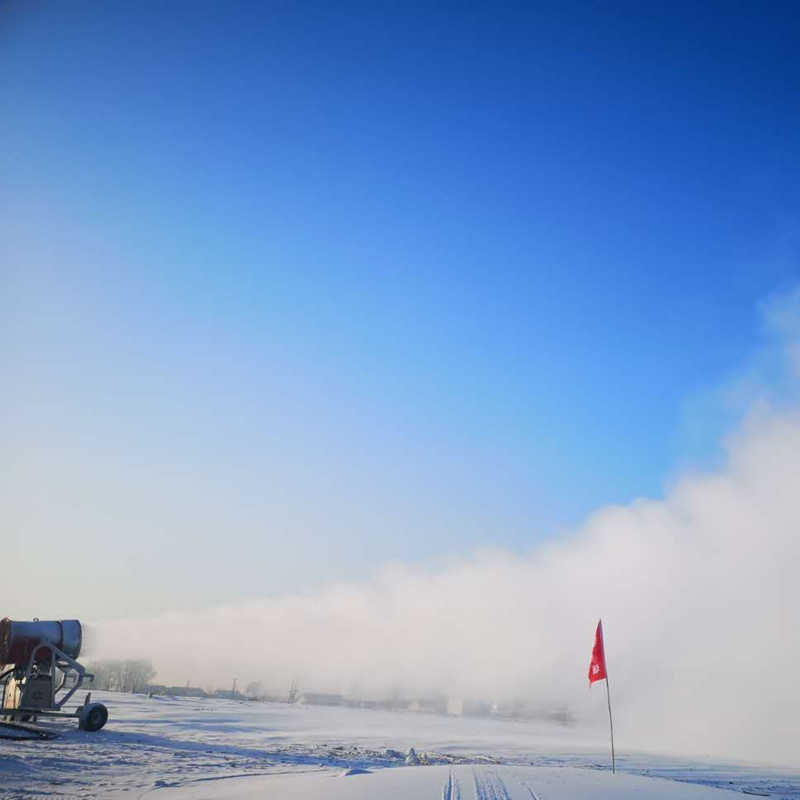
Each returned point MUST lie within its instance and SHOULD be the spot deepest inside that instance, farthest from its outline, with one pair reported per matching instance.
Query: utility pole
(233, 691)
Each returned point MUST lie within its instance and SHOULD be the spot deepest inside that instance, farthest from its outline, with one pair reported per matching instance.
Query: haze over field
(699, 592)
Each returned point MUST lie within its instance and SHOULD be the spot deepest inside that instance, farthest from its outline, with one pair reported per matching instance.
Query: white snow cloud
(699, 592)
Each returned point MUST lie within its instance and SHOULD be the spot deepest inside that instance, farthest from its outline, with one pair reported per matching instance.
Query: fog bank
(699, 593)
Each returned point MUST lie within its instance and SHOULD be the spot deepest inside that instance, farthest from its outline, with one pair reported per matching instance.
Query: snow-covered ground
(171, 748)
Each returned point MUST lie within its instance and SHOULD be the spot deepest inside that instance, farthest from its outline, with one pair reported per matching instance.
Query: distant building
(187, 691)
(228, 694)
(561, 715)
(461, 707)
(173, 691)
(430, 705)
(392, 704)
(521, 709)
(320, 699)
(455, 706)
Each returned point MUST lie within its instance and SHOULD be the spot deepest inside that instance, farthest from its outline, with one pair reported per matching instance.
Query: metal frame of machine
(29, 689)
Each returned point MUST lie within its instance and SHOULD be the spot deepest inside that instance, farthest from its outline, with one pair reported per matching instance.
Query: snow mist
(699, 593)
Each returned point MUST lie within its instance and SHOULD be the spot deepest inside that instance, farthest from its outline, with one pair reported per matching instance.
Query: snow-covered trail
(461, 782)
(183, 747)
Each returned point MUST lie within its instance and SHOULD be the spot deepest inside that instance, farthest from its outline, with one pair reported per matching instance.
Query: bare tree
(255, 691)
(121, 676)
(135, 674)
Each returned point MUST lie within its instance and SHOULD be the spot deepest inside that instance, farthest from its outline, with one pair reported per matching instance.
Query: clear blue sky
(290, 290)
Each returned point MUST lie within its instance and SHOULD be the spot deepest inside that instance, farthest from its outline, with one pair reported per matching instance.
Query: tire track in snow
(489, 786)
(527, 786)
(452, 788)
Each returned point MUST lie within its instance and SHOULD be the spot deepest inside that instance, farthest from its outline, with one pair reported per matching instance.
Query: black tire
(93, 717)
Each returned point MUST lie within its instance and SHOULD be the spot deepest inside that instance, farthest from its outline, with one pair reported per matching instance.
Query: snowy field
(171, 748)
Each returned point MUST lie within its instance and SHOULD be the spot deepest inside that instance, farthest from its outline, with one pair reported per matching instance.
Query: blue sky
(289, 291)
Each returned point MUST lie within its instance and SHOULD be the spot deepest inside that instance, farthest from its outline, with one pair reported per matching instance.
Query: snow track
(448, 783)
(452, 788)
(489, 785)
(530, 790)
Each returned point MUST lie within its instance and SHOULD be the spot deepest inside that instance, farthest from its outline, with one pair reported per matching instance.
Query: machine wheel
(92, 717)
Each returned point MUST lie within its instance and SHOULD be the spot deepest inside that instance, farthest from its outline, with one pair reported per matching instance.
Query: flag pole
(598, 669)
(611, 723)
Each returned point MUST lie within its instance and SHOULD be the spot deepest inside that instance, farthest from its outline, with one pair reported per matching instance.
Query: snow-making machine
(39, 674)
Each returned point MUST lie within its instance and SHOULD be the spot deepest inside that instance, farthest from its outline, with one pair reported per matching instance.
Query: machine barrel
(18, 640)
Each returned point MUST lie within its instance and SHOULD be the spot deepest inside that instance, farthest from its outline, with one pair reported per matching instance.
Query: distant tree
(135, 675)
(255, 691)
(131, 675)
(106, 674)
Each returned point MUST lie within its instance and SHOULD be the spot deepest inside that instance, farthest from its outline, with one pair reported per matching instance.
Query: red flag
(597, 667)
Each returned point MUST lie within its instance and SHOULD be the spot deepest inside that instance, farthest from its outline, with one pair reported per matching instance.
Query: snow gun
(39, 675)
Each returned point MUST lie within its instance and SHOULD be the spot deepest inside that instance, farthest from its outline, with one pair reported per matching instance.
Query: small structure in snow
(320, 699)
